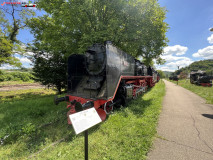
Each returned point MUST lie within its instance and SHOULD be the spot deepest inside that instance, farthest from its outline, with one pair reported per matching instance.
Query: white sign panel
(83, 120)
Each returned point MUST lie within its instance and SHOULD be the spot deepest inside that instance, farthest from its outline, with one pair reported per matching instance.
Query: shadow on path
(208, 116)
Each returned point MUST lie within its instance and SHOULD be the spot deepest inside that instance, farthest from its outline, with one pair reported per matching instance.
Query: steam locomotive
(174, 78)
(105, 77)
(200, 78)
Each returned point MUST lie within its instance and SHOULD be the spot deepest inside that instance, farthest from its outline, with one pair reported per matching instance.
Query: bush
(1, 72)
(15, 76)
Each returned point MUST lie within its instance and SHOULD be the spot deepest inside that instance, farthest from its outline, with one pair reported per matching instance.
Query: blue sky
(24, 35)
(189, 36)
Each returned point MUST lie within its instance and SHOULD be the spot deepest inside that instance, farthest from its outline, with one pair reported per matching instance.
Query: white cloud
(172, 66)
(24, 60)
(181, 63)
(206, 53)
(29, 53)
(171, 58)
(6, 66)
(165, 68)
(210, 39)
(176, 49)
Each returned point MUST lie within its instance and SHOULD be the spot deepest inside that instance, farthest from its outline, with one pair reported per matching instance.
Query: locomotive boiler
(105, 77)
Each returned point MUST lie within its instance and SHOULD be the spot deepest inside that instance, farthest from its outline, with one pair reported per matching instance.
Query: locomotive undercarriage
(127, 89)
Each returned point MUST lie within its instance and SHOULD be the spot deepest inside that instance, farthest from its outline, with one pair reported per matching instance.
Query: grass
(204, 92)
(16, 95)
(6, 83)
(30, 127)
(27, 125)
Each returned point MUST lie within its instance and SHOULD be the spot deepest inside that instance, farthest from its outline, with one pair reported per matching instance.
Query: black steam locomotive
(105, 77)
(174, 78)
(200, 78)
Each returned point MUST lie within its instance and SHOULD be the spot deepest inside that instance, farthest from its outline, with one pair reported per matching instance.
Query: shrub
(15, 76)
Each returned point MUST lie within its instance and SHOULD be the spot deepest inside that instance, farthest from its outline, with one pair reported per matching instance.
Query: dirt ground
(20, 86)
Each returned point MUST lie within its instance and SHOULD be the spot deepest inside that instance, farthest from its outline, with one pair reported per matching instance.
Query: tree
(6, 45)
(46, 72)
(204, 65)
(9, 29)
(6, 53)
(135, 26)
(183, 75)
(162, 75)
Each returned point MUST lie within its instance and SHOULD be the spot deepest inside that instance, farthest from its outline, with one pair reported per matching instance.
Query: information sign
(83, 120)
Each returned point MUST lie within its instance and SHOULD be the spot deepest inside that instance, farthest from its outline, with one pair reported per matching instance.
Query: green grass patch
(205, 92)
(28, 125)
(33, 125)
(7, 83)
(15, 95)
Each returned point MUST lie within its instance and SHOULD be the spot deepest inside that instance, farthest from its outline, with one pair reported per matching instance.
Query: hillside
(167, 73)
(204, 65)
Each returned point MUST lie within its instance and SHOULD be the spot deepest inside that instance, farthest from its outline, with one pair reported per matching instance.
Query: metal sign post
(86, 144)
(177, 76)
(82, 121)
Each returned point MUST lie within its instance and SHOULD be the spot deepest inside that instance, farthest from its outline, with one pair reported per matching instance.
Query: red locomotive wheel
(107, 108)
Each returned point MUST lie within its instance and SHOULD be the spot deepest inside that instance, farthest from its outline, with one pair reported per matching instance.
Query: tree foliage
(50, 69)
(6, 53)
(12, 19)
(204, 65)
(6, 45)
(15, 76)
(135, 26)
(183, 75)
(162, 75)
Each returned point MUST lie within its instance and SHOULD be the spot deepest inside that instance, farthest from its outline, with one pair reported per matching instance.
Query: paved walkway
(185, 130)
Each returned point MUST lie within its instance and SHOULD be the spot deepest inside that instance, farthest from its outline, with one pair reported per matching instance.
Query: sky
(189, 37)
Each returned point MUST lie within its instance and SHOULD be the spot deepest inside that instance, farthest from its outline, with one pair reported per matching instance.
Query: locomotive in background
(200, 78)
(174, 78)
(105, 77)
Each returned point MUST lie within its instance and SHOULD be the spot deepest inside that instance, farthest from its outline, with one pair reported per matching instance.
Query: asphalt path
(185, 129)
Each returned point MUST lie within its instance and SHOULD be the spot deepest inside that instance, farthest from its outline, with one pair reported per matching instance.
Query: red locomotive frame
(103, 107)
